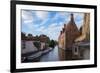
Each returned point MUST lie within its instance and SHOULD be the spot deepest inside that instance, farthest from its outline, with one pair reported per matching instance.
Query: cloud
(27, 16)
(41, 14)
(28, 21)
(52, 30)
(45, 21)
(42, 28)
(62, 17)
(52, 25)
(49, 23)
(79, 18)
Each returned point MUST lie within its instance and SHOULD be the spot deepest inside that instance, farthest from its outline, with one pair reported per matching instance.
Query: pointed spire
(72, 18)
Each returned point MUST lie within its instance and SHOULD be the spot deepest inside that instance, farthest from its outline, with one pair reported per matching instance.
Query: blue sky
(49, 23)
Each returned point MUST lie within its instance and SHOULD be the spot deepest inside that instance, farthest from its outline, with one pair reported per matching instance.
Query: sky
(49, 23)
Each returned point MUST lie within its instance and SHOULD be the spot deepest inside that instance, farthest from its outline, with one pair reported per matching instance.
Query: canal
(51, 56)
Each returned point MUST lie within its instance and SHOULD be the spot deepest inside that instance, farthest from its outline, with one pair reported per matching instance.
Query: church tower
(70, 32)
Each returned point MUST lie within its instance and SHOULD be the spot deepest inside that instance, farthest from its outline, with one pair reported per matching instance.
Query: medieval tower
(66, 39)
(70, 35)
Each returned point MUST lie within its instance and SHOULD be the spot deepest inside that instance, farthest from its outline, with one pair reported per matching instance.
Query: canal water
(51, 56)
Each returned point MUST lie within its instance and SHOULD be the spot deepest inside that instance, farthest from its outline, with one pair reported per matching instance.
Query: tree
(23, 35)
(52, 44)
(48, 40)
(37, 38)
(56, 42)
(37, 45)
(30, 35)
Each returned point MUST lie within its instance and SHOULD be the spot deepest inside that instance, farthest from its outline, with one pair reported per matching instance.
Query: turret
(72, 18)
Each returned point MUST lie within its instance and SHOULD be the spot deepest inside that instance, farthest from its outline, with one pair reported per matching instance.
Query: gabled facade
(72, 42)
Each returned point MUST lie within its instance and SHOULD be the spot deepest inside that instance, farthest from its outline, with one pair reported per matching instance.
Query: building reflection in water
(74, 44)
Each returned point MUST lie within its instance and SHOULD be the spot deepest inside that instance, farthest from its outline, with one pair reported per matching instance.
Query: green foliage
(30, 35)
(37, 45)
(52, 43)
(23, 35)
(37, 38)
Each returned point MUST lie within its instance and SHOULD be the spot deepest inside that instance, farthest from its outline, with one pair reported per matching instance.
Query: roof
(82, 44)
(71, 25)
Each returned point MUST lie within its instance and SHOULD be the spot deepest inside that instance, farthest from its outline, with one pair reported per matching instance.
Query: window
(76, 51)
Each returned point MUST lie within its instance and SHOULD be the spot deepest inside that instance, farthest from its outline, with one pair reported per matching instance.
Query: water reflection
(51, 56)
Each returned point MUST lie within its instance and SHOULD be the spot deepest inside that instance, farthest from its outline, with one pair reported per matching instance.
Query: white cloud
(52, 31)
(63, 15)
(28, 21)
(41, 14)
(27, 16)
(40, 29)
(36, 25)
(53, 25)
(79, 17)
(44, 21)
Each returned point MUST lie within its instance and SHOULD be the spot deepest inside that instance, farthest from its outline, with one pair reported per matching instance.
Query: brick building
(73, 43)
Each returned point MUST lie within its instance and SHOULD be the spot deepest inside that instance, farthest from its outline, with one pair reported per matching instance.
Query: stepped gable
(68, 34)
(71, 26)
(71, 32)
